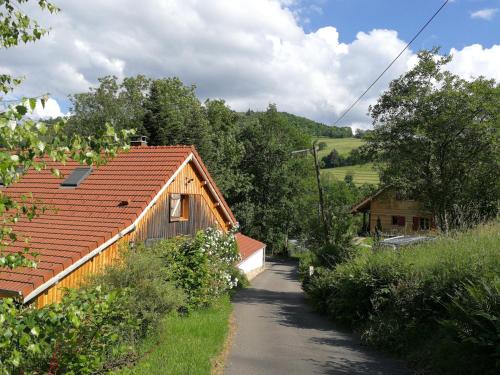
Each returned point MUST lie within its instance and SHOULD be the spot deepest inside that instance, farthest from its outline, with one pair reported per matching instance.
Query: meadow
(362, 174)
(342, 145)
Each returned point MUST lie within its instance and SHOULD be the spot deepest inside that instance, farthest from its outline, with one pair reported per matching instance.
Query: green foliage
(174, 115)
(75, 336)
(355, 156)
(436, 137)
(305, 125)
(339, 198)
(436, 302)
(17, 26)
(121, 104)
(169, 113)
(226, 150)
(152, 294)
(282, 184)
(203, 266)
(474, 323)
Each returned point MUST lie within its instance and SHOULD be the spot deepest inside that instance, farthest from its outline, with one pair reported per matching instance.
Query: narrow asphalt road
(278, 333)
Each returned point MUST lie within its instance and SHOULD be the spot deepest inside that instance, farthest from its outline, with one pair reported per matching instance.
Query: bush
(75, 336)
(438, 297)
(203, 266)
(151, 295)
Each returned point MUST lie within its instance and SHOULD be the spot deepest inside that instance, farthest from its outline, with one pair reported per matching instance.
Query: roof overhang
(365, 204)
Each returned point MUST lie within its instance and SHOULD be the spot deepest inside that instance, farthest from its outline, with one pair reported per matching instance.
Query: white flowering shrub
(203, 266)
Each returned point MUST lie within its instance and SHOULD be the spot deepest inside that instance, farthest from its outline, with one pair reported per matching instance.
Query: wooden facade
(204, 211)
(393, 215)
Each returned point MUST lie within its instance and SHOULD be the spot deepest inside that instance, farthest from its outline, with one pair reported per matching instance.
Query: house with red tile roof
(146, 194)
(253, 255)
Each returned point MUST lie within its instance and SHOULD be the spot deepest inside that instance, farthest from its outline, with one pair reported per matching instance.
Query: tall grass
(186, 344)
(419, 301)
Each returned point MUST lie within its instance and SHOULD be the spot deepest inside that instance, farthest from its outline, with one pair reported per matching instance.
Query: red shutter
(416, 223)
(401, 221)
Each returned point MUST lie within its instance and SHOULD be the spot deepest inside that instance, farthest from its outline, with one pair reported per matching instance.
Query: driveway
(278, 333)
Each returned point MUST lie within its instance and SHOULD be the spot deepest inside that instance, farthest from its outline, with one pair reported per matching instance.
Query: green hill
(362, 173)
(311, 127)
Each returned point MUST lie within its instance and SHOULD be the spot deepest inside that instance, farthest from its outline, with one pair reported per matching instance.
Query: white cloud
(484, 14)
(250, 53)
(475, 60)
(50, 110)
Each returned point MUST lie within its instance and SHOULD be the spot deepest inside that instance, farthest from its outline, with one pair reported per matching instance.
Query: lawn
(364, 173)
(342, 145)
(186, 345)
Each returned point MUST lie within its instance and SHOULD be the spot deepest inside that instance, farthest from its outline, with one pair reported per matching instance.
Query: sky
(310, 57)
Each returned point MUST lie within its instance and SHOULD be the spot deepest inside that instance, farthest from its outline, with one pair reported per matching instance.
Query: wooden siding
(385, 206)
(203, 213)
(75, 278)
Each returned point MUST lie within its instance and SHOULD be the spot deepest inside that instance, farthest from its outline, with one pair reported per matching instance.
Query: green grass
(362, 174)
(186, 345)
(342, 145)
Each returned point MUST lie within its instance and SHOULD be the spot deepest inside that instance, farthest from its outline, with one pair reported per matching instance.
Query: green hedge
(437, 303)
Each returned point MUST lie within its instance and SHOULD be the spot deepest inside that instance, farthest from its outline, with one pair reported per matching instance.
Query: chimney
(139, 140)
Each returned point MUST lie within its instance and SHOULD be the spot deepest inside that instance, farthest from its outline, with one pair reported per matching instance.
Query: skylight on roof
(76, 177)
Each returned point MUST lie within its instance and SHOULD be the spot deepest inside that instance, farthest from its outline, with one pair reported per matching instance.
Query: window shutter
(401, 221)
(175, 206)
(416, 223)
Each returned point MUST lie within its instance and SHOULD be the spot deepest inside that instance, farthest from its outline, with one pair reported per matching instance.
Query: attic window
(76, 177)
(179, 207)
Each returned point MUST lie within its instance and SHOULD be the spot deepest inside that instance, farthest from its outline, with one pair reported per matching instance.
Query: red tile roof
(81, 219)
(247, 245)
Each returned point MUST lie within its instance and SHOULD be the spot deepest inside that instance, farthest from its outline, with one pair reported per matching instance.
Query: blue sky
(309, 57)
(454, 26)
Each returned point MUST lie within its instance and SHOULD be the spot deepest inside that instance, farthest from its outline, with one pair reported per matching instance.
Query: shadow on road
(284, 303)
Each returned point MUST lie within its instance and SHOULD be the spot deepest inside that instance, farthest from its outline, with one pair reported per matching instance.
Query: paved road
(278, 333)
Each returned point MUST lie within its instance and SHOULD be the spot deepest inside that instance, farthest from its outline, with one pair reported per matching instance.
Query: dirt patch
(219, 361)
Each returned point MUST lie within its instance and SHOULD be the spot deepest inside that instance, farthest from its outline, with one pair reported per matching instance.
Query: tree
(174, 115)
(333, 159)
(26, 144)
(436, 138)
(225, 151)
(121, 104)
(275, 206)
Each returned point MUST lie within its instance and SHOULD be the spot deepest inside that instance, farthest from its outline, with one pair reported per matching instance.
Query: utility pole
(321, 194)
(322, 210)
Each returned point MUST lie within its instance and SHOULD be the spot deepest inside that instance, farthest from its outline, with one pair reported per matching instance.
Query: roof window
(76, 177)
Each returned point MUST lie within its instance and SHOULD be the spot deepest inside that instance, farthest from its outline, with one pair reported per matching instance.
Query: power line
(392, 63)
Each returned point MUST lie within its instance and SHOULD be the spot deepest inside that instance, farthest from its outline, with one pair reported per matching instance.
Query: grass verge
(186, 344)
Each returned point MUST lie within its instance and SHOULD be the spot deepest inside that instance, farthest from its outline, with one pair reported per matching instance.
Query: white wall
(253, 262)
